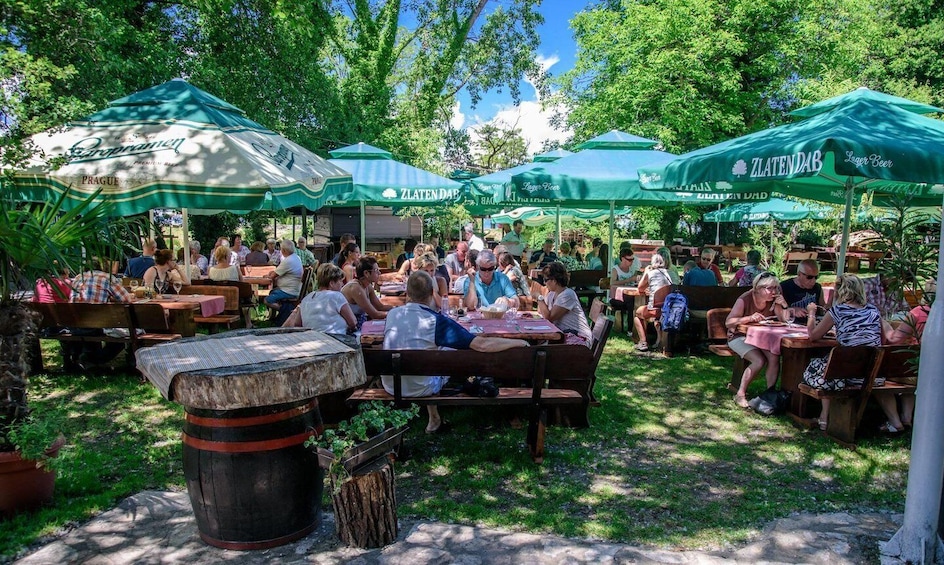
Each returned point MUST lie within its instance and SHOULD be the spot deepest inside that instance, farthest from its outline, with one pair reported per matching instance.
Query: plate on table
(530, 315)
(772, 323)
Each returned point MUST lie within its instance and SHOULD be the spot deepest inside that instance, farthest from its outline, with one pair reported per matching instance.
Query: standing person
(745, 275)
(706, 261)
(474, 241)
(223, 270)
(286, 283)
(763, 301)
(488, 286)
(857, 323)
(239, 249)
(455, 261)
(274, 255)
(655, 277)
(513, 241)
(360, 293)
(350, 255)
(94, 286)
(544, 256)
(416, 325)
(257, 257)
(307, 257)
(138, 265)
(626, 272)
(802, 290)
(345, 239)
(562, 306)
(325, 309)
(162, 276)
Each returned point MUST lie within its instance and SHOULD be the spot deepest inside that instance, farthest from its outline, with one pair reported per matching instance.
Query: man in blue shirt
(696, 276)
(488, 285)
(139, 265)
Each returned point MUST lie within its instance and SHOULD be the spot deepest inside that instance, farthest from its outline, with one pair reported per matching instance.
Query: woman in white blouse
(325, 309)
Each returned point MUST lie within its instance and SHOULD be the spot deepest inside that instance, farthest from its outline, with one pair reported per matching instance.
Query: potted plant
(37, 241)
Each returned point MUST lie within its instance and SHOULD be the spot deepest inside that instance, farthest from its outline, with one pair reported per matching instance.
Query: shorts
(739, 346)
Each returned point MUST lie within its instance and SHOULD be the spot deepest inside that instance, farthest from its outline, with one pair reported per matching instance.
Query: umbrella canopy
(604, 171)
(773, 209)
(380, 181)
(176, 146)
(863, 93)
(532, 216)
(552, 155)
(488, 192)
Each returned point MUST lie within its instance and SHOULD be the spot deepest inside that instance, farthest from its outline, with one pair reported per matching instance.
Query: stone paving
(155, 527)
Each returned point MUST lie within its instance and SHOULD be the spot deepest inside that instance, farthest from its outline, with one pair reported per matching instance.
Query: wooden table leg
(793, 362)
(181, 322)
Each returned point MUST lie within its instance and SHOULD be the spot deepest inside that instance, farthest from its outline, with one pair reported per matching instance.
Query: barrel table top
(251, 368)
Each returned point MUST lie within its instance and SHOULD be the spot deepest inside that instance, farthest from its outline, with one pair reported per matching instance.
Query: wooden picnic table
(529, 326)
(631, 299)
(181, 309)
(796, 350)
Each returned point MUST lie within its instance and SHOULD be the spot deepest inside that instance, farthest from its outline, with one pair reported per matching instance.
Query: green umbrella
(773, 209)
(381, 181)
(486, 193)
(859, 145)
(532, 216)
(176, 146)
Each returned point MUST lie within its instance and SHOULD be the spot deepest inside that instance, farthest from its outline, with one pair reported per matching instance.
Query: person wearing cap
(275, 256)
(474, 241)
(307, 257)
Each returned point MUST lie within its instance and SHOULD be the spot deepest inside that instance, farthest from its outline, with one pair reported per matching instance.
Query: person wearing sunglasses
(488, 286)
(763, 301)
(803, 289)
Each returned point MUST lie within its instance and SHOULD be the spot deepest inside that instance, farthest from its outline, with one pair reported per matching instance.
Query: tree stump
(365, 507)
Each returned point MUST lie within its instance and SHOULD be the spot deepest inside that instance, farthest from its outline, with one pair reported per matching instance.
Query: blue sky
(557, 46)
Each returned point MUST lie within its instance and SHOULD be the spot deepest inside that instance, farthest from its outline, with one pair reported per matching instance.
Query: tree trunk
(365, 507)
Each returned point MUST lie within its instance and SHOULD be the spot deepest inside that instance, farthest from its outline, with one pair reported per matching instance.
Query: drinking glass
(453, 312)
(788, 314)
(160, 286)
(134, 284)
(177, 286)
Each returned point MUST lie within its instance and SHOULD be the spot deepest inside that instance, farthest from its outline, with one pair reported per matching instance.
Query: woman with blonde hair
(325, 309)
(224, 270)
(428, 262)
(857, 323)
(764, 300)
(654, 278)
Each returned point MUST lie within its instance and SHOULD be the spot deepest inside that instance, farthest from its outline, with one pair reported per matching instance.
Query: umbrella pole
(558, 227)
(606, 260)
(718, 228)
(847, 217)
(918, 541)
(363, 227)
(185, 226)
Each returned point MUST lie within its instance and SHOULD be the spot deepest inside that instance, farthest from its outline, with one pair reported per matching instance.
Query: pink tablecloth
(768, 337)
(520, 327)
(210, 305)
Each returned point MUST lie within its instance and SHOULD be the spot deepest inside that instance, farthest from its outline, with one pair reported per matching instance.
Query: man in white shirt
(286, 282)
(474, 241)
(416, 326)
(514, 241)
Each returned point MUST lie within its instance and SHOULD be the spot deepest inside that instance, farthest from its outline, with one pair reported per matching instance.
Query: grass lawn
(669, 461)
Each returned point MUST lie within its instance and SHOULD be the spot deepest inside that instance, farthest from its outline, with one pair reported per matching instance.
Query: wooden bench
(149, 318)
(793, 259)
(848, 405)
(231, 311)
(536, 377)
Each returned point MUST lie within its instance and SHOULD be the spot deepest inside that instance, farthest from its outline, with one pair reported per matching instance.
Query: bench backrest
(898, 362)
(151, 318)
(597, 307)
(717, 331)
(585, 277)
(708, 297)
(601, 333)
(258, 270)
(846, 362)
(81, 315)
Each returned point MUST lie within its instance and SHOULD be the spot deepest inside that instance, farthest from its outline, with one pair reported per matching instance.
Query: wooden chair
(602, 327)
(847, 405)
(597, 308)
(718, 344)
(793, 259)
(537, 289)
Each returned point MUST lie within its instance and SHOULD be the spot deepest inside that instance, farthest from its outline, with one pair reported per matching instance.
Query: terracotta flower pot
(23, 485)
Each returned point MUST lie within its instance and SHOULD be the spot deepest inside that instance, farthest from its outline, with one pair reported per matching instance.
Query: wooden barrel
(252, 482)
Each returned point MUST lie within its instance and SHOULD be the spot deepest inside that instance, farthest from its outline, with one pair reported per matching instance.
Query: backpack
(674, 312)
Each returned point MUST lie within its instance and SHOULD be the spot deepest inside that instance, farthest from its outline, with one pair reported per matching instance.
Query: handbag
(480, 387)
(771, 402)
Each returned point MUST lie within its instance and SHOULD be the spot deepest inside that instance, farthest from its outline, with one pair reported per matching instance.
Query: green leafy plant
(34, 435)
(373, 418)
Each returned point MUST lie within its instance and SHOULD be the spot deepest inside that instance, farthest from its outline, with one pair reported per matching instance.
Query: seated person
(195, 272)
(507, 263)
(803, 289)
(55, 288)
(286, 283)
(408, 250)
(223, 269)
(487, 285)
(562, 307)
(455, 261)
(655, 277)
(546, 255)
(360, 293)
(908, 332)
(428, 262)
(570, 262)
(468, 270)
(325, 309)
(697, 276)
(416, 325)
(762, 301)
(257, 257)
(626, 272)
(163, 274)
(94, 287)
(706, 261)
(745, 275)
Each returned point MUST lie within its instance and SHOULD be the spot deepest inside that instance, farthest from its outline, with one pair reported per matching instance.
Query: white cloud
(457, 120)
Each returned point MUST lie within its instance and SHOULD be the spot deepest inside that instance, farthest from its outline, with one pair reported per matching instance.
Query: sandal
(888, 428)
(642, 346)
(822, 424)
